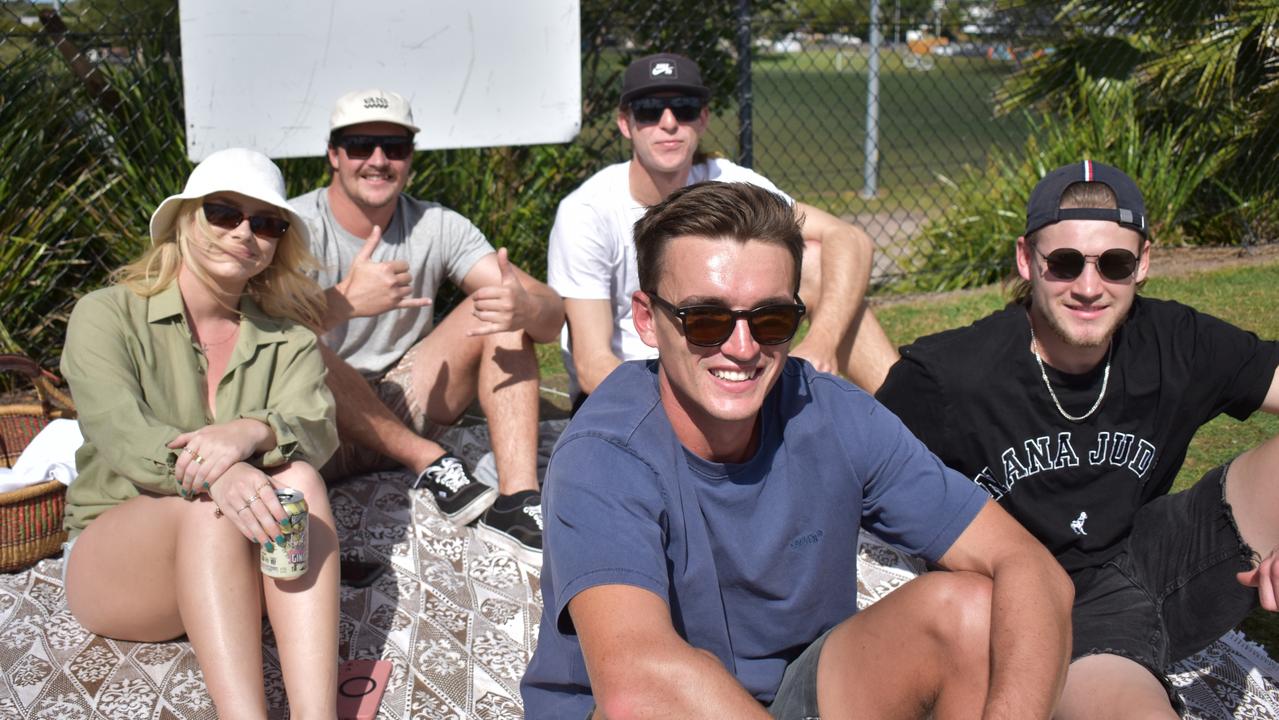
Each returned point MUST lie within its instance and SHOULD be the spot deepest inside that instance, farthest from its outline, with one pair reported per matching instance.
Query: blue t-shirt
(756, 559)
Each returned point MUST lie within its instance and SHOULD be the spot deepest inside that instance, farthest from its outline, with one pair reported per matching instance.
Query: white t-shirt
(436, 242)
(591, 255)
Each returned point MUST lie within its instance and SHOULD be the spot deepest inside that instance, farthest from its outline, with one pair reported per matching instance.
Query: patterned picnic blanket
(456, 618)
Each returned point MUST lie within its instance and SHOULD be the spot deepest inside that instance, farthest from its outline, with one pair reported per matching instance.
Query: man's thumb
(370, 244)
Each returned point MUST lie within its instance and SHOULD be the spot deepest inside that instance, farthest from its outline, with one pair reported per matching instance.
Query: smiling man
(1073, 407)
(398, 378)
(702, 514)
(663, 112)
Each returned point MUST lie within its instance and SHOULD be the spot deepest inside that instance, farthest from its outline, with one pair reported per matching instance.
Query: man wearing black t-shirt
(1073, 407)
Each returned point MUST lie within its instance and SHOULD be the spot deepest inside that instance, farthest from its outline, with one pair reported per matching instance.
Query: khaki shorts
(395, 390)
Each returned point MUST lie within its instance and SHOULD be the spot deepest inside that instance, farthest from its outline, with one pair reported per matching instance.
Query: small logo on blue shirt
(806, 540)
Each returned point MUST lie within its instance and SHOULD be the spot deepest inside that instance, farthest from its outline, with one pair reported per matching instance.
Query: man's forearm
(593, 368)
(1030, 639)
(337, 309)
(846, 259)
(688, 683)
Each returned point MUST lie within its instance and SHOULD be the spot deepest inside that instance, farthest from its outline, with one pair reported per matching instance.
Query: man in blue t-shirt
(702, 510)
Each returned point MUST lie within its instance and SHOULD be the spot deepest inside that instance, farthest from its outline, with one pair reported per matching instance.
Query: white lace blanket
(456, 618)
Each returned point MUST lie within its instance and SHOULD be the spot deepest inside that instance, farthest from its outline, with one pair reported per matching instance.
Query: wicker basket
(30, 518)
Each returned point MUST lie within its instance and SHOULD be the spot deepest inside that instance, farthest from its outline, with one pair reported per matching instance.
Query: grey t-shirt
(435, 241)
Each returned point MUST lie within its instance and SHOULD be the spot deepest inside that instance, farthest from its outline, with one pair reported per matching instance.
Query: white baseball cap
(373, 105)
(239, 170)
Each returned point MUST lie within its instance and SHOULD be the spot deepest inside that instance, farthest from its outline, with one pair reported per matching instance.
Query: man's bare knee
(961, 617)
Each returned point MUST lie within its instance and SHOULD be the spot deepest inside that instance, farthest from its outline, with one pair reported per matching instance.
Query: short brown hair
(716, 210)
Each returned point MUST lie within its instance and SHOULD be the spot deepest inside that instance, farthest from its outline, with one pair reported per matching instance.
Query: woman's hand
(207, 453)
(246, 496)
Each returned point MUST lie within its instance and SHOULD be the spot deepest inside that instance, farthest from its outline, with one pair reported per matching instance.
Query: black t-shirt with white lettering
(975, 396)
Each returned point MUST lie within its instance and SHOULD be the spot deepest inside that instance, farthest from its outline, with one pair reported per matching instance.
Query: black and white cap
(663, 71)
(1045, 200)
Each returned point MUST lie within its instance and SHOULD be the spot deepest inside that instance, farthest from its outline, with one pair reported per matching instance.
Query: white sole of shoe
(467, 514)
(523, 553)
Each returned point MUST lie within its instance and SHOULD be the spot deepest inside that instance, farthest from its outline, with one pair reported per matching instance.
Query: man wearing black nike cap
(663, 111)
(1074, 406)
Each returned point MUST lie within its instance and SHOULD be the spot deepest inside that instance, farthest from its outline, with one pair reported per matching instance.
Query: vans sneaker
(460, 497)
(515, 523)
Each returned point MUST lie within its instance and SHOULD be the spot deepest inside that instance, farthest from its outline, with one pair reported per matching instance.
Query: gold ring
(199, 459)
(246, 507)
(188, 451)
(254, 498)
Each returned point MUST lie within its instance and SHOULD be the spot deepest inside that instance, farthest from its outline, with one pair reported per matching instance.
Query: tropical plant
(1211, 65)
(972, 242)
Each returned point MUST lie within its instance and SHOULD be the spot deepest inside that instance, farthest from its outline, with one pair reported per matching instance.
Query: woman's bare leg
(304, 612)
(153, 568)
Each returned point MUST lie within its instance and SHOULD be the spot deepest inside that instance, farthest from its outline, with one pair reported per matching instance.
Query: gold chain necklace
(204, 346)
(1105, 378)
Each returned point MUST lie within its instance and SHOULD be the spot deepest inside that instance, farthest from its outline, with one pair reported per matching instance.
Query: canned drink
(288, 559)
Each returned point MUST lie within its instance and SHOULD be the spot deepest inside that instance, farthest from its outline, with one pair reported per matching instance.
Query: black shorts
(796, 697)
(1172, 590)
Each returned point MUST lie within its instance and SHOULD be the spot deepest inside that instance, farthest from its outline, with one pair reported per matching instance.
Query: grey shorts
(796, 697)
(1172, 590)
(395, 390)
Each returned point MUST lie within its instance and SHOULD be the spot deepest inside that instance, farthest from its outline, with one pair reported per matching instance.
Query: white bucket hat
(372, 105)
(247, 172)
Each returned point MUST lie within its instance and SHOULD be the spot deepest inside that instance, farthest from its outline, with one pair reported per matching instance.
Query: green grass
(1244, 296)
(810, 119)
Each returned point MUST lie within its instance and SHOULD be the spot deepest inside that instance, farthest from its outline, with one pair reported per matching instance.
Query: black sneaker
(460, 497)
(515, 523)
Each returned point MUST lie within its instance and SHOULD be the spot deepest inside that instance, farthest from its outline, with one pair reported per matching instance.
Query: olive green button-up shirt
(137, 378)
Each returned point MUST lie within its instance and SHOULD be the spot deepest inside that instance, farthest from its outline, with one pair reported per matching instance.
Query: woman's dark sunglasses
(361, 147)
(229, 218)
(648, 110)
(711, 325)
(1068, 263)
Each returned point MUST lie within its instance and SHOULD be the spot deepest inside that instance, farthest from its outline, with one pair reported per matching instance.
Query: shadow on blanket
(456, 618)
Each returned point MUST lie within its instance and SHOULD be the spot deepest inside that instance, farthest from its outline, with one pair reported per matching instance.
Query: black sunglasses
(711, 325)
(648, 110)
(361, 147)
(1068, 263)
(229, 218)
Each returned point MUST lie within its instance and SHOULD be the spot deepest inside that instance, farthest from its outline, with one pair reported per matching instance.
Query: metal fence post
(870, 173)
(745, 149)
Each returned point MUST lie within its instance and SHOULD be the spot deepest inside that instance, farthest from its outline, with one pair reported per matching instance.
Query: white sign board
(264, 74)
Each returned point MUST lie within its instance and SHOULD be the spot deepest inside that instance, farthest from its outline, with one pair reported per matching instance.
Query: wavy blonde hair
(282, 290)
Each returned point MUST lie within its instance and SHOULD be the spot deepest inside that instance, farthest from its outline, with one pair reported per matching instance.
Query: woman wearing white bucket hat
(200, 390)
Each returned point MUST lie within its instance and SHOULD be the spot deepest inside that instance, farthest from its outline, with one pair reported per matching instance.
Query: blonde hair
(281, 290)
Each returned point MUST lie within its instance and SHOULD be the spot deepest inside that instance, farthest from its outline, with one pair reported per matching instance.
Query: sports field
(810, 126)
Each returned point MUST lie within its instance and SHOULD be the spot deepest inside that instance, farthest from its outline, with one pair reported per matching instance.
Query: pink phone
(360, 687)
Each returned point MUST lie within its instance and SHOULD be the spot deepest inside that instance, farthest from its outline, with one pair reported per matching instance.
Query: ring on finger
(199, 459)
(252, 499)
(243, 508)
(187, 451)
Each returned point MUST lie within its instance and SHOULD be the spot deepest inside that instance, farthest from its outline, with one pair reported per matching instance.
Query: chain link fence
(925, 121)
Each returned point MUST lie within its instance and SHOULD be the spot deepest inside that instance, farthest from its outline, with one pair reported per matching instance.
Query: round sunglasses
(1068, 263)
(711, 325)
(229, 218)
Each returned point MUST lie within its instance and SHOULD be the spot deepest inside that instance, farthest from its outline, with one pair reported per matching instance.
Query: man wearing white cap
(398, 378)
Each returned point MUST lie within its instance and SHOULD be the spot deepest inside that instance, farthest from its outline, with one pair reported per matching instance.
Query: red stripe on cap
(1088, 171)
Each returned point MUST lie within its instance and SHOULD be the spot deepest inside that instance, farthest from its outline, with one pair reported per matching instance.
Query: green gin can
(287, 560)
